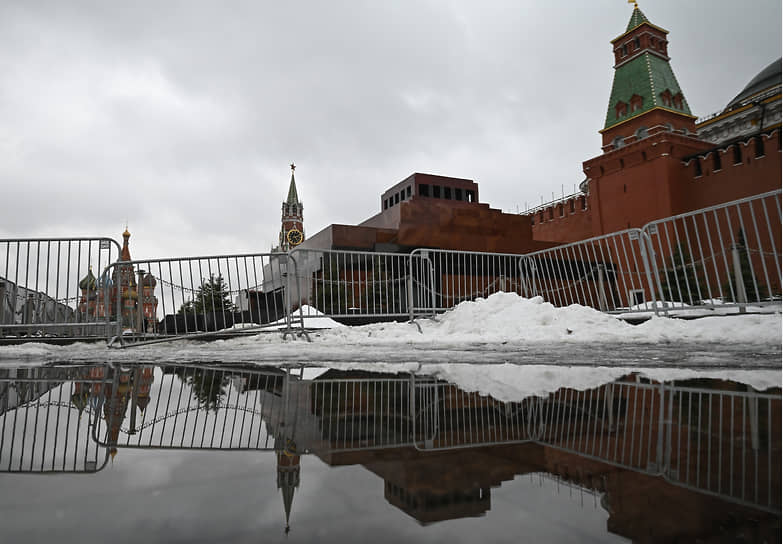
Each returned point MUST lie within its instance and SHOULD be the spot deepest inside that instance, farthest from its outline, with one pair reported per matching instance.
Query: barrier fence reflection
(711, 437)
(46, 417)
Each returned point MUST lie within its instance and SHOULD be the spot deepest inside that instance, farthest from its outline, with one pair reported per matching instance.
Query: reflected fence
(723, 259)
(43, 425)
(712, 437)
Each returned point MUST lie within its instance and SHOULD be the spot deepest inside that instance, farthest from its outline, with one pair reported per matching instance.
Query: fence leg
(140, 304)
(661, 434)
(410, 290)
(602, 305)
(753, 414)
(653, 280)
(739, 281)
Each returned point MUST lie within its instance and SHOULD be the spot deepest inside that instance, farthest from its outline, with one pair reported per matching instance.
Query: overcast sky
(182, 117)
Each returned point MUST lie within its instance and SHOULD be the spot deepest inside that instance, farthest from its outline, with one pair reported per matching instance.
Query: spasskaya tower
(292, 229)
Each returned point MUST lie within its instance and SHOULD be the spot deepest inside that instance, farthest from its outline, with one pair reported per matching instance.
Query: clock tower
(292, 229)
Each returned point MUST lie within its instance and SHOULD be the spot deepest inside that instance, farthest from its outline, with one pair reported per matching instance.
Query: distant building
(755, 109)
(430, 211)
(102, 297)
(657, 161)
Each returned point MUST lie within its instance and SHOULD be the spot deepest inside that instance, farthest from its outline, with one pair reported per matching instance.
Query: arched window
(620, 109)
(641, 132)
(636, 103)
(715, 160)
(618, 142)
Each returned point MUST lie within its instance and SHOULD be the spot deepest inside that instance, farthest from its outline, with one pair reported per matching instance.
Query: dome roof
(767, 78)
(88, 282)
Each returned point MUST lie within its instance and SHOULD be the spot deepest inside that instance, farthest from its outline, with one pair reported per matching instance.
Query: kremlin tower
(292, 228)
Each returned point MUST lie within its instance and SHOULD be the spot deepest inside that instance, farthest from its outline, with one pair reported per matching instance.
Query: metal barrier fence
(41, 425)
(609, 273)
(40, 286)
(441, 279)
(164, 299)
(350, 284)
(727, 255)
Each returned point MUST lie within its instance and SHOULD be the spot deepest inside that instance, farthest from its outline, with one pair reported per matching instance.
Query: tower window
(447, 193)
(715, 160)
(561, 210)
(697, 168)
(677, 99)
(758, 146)
(618, 142)
(636, 43)
(620, 109)
(551, 213)
(624, 51)
(436, 191)
(424, 190)
(571, 205)
(397, 198)
(541, 216)
(408, 190)
(737, 154)
(641, 132)
(666, 98)
(470, 196)
(457, 194)
(402, 195)
(636, 103)
(584, 202)
(385, 204)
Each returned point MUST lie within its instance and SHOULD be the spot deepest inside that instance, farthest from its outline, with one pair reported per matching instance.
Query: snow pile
(503, 328)
(313, 319)
(509, 318)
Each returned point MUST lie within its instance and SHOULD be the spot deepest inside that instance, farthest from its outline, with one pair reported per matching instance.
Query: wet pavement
(176, 452)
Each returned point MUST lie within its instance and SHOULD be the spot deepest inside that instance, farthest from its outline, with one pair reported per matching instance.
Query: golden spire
(635, 4)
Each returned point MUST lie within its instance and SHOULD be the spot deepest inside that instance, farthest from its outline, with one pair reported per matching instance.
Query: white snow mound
(510, 318)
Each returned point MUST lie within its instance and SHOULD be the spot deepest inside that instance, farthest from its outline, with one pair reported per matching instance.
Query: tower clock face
(294, 237)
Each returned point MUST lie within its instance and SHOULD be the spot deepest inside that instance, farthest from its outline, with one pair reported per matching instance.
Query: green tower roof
(647, 76)
(293, 197)
(637, 18)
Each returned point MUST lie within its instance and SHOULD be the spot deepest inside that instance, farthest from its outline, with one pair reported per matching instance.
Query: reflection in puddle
(705, 453)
